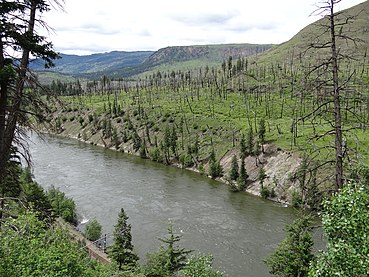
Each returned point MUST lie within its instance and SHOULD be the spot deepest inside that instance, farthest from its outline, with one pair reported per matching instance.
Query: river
(239, 229)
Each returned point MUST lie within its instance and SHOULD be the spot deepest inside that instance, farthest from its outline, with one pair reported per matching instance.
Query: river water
(239, 229)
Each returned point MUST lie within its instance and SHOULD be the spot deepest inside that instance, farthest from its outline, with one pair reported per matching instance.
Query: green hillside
(119, 64)
(281, 110)
(353, 23)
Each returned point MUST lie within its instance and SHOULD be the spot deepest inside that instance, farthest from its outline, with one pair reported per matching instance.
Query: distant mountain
(211, 53)
(352, 22)
(125, 64)
(92, 64)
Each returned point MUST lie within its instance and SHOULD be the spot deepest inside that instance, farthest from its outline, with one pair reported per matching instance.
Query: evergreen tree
(294, 254)
(215, 169)
(242, 179)
(234, 174)
(173, 140)
(122, 249)
(177, 257)
(166, 143)
(262, 131)
(250, 142)
(35, 198)
(243, 147)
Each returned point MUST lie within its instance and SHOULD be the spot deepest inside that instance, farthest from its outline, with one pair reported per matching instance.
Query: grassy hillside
(118, 64)
(355, 24)
(281, 111)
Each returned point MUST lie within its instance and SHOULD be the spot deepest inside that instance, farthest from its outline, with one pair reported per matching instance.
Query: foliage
(177, 257)
(234, 174)
(200, 265)
(215, 168)
(264, 192)
(157, 264)
(62, 206)
(29, 249)
(262, 131)
(345, 221)
(296, 200)
(93, 230)
(242, 179)
(293, 255)
(19, 107)
(262, 175)
(186, 160)
(250, 142)
(122, 249)
(34, 196)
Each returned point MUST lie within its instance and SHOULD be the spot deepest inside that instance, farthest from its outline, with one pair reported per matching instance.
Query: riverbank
(280, 166)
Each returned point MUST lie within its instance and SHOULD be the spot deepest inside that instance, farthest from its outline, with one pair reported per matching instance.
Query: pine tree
(122, 249)
(243, 148)
(234, 174)
(250, 142)
(242, 179)
(173, 140)
(215, 168)
(261, 131)
(177, 257)
(294, 254)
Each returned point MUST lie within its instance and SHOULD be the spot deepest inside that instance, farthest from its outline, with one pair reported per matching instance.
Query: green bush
(264, 192)
(186, 160)
(62, 205)
(93, 230)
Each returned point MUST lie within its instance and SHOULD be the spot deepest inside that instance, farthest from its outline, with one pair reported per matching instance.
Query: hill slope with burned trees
(269, 127)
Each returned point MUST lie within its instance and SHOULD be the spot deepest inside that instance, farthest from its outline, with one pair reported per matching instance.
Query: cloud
(204, 19)
(100, 26)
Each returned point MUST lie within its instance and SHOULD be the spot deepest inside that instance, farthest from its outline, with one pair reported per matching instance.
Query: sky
(93, 26)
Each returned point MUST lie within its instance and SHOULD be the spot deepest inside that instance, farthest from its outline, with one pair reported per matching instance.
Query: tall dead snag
(332, 32)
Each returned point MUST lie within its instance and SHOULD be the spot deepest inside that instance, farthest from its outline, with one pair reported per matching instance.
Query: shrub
(186, 160)
(93, 230)
(264, 192)
(296, 200)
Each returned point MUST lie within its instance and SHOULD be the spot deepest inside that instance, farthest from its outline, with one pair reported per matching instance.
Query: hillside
(353, 22)
(96, 63)
(126, 64)
(238, 110)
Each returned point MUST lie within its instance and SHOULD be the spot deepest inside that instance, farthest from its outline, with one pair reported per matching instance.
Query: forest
(307, 104)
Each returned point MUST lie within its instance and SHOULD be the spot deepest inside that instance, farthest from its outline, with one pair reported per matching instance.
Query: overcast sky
(95, 26)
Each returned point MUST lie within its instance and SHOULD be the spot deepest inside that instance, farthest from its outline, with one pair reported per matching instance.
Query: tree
(215, 168)
(32, 249)
(157, 264)
(234, 174)
(262, 131)
(242, 179)
(328, 81)
(250, 142)
(62, 205)
(173, 140)
(345, 219)
(35, 198)
(200, 265)
(177, 257)
(294, 254)
(122, 249)
(243, 147)
(18, 32)
(93, 230)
